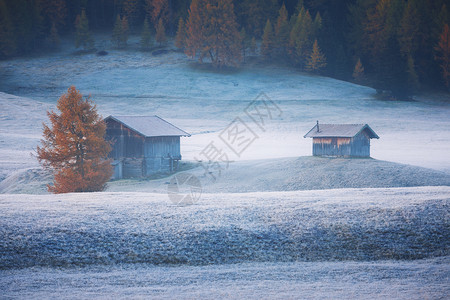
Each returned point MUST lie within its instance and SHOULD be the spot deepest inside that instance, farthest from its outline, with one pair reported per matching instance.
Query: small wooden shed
(143, 145)
(347, 140)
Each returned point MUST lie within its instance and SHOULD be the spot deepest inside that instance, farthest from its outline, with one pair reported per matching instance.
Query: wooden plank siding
(358, 146)
(126, 143)
(163, 146)
(137, 156)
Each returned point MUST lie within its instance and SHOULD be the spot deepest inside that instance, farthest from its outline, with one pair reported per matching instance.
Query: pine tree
(158, 10)
(317, 25)
(54, 11)
(316, 61)
(282, 31)
(294, 34)
(253, 14)
(74, 147)
(117, 32)
(212, 32)
(146, 37)
(54, 37)
(408, 33)
(300, 42)
(253, 46)
(358, 72)
(443, 54)
(195, 39)
(267, 40)
(245, 42)
(180, 38)
(125, 32)
(413, 79)
(131, 11)
(83, 36)
(120, 32)
(160, 33)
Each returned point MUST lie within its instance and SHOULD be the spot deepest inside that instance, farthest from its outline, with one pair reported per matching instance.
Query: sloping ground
(28, 181)
(299, 173)
(118, 228)
(285, 174)
(310, 173)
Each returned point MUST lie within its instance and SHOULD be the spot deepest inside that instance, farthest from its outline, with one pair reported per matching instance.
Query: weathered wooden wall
(137, 156)
(332, 146)
(358, 146)
(361, 145)
(126, 143)
(164, 146)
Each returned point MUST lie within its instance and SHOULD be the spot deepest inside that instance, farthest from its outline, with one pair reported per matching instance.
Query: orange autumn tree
(212, 31)
(74, 147)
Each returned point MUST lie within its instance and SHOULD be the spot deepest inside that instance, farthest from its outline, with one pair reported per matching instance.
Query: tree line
(395, 45)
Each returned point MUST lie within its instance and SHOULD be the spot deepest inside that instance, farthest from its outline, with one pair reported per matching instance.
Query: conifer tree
(212, 32)
(195, 25)
(282, 31)
(443, 54)
(245, 42)
(83, 36)
(358, 72)
(253, 46)
(300, 43)
(120, 32)
(160, 33)
(54, 37)
(54, 11)
(267, 40)
(131, 11)
(125, 31)
(408, 33)
(294, 34)
(74, 147)
(413, 79)
(180, 38)
(317, 25)
(146, 36)
(316, 61)
(157, 10)
(442, 19)
(117, 32)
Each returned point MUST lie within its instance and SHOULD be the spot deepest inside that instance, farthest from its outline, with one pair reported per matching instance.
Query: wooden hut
(348, 140)
(143, 145)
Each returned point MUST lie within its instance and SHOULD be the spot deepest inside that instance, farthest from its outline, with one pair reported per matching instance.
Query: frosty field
(277, 223)
(358, 243)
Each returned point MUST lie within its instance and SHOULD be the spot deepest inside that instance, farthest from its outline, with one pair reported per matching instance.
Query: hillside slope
(300, 173)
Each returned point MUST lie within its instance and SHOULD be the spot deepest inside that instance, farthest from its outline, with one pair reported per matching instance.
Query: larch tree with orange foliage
(180, 38)
(317, 60)
(212, 31)
(158, 10)
(74, 147)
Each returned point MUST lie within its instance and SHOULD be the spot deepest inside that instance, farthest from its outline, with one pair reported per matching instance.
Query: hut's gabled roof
(149, 126)
(340, 130)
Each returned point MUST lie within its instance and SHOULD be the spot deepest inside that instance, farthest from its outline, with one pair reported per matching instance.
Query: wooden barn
(143, 145)
(347, 140)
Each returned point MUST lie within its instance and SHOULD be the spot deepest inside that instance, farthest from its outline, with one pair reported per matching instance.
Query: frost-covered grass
(423, 279)
(120, 228)
(291, 174)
